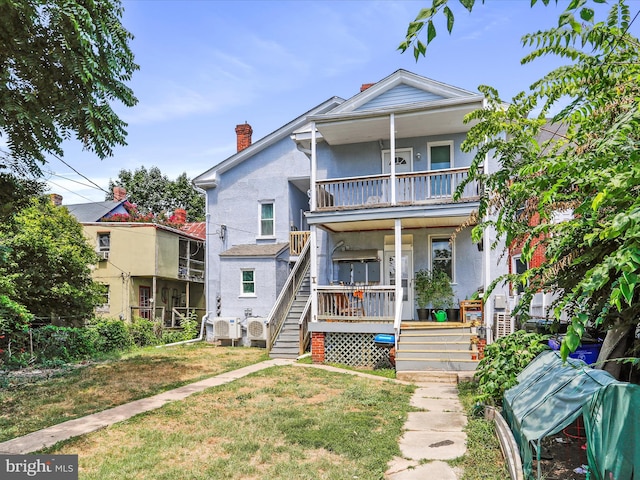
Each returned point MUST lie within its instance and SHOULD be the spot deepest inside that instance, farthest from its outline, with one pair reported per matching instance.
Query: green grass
(27, 405)
(280, 423)
(483, 459)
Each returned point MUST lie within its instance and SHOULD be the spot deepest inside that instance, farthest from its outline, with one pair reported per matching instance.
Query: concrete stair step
(442, 364)
(434, 376)
(463, 355)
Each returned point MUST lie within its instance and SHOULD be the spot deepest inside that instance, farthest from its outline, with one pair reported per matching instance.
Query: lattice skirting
(355, 350)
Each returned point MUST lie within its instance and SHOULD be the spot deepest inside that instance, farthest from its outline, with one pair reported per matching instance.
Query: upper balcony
(375, 191)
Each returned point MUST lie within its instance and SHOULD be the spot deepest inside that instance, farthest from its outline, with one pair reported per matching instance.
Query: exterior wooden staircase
(287, 343)
(434, 346)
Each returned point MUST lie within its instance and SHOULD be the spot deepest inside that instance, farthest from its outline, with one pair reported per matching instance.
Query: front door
(407, 278)
(144, 301)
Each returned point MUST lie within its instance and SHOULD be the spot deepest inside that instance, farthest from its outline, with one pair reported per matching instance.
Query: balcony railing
(297, 241)
(356, 303)
(189, 269)
(416, 188)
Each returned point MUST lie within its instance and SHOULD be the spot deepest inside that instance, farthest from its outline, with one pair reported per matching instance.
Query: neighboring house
(148, 270)
(541, 308)
(365, 185)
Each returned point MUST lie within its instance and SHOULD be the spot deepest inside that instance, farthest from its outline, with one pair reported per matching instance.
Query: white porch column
(314, 167)
(398, 256)
(392, 153)
(313, 251)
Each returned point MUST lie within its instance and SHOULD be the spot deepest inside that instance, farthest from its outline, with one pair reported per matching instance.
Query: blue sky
(207, 65)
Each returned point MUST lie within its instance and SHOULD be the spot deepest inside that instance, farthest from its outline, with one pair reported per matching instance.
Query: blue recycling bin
(384, 340)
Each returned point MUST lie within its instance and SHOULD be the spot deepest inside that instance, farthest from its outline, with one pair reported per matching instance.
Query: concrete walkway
(432, 435)
(47, 437)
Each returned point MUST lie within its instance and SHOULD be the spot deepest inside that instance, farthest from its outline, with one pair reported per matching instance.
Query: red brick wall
(317, 347)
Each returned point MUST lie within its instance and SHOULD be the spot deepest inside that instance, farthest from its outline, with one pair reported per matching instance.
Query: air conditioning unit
(103, 255)
(226, 328)
(257, 328)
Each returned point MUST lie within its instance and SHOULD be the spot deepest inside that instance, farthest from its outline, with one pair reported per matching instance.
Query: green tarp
(549, 397)
(612, 423)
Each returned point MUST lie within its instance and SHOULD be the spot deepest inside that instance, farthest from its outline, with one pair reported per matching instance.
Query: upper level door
(404, 164)
(404, 160)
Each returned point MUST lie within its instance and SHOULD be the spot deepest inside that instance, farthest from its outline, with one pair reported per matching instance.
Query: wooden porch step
(430, 325)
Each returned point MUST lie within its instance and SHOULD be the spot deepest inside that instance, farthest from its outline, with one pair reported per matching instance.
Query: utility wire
(71, 191)
(71, 180)
(83, 176)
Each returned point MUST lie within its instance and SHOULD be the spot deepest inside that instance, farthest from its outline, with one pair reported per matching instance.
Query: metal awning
(355, 255)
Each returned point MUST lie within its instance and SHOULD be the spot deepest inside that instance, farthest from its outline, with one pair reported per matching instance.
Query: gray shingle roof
(92, 212)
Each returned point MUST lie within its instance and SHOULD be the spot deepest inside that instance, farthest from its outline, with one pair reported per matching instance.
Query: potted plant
(423, 286)
(442, 296)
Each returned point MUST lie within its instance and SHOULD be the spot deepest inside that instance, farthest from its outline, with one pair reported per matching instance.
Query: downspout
(486, 251)
(194, 340)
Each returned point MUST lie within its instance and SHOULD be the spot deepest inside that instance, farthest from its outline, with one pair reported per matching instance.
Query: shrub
(62, 344)
(143, 332)
(189, 331)
(111, 335)
(503, 360)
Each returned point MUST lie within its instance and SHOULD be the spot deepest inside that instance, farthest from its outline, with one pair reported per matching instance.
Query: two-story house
(147, 270)
(366, 185)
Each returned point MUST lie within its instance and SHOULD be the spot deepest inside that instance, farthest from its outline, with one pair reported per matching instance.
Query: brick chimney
(180, 215)
(365, 86)
(56, 199)
(119, 194)
(243, 132)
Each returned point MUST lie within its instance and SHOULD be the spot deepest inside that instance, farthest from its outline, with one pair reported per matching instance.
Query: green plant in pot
(442, 296)
(424, 289)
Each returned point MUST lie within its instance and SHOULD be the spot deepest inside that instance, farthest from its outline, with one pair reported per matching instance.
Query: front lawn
(27, 405)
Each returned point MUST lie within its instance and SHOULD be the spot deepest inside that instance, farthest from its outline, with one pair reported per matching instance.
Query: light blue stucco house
(315, 234)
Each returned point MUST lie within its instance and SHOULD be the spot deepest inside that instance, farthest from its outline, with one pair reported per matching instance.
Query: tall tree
(153, 192)
(592, 170)
(62, 63)
(48, 260)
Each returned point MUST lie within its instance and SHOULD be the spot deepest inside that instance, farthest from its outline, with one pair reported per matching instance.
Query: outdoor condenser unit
(226, 328)
(257, 328)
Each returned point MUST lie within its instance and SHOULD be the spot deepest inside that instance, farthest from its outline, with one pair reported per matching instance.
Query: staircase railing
(305, 337)
(280, 309)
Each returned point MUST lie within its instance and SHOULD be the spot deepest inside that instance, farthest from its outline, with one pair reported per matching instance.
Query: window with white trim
(248, 282)
(440, 155)
(442, 254)
(267, 219)
(104, 241)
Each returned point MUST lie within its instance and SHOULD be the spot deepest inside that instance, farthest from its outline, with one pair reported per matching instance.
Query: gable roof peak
(411, 81)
